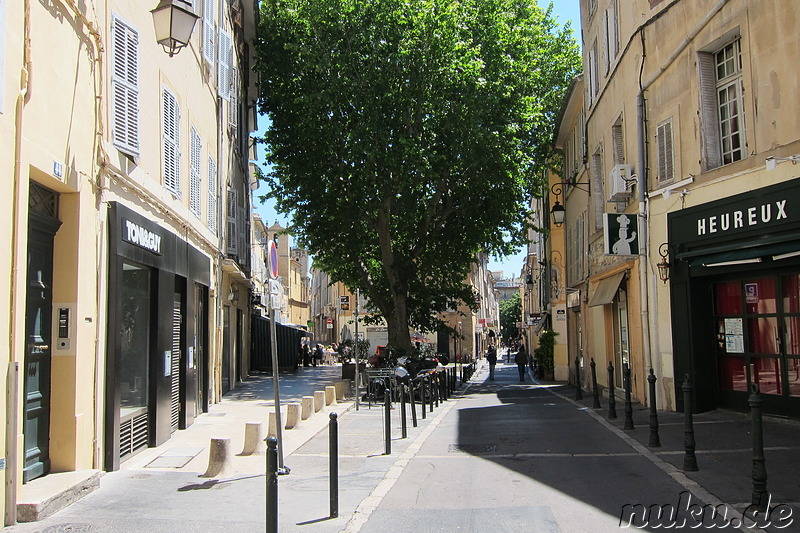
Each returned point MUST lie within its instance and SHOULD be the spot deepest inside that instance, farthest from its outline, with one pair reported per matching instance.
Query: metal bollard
(655, 442)
(422, 397)
(387, 421)
(578, 391)
(689, 458)
(431, 391)
(626, 378)
(435, 389)
(272, 485)
(333, 454)
(403, 431)
(595, 390)
(413, 405)
(612, 401)
(760, 495)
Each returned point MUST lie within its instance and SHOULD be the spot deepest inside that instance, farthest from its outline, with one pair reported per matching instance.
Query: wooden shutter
(194, 172)
(709, 126)
(212, 195)
(619, 143)
(125, 87)
(231, 213)
(224, 65)
(597, 188)
(666, 165)
(233, 103)
(208, 31)
(171, 143)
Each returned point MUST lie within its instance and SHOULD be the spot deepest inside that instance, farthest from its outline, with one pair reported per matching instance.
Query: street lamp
(174, 21)
(664, 265)
(558, 211)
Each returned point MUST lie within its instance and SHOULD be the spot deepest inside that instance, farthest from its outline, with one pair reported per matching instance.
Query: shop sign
(621, 234)
(141, 236)
(751, 293)
(574, 299)
(561, 315)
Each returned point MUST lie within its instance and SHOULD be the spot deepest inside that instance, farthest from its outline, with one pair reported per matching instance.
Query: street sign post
(274, 287)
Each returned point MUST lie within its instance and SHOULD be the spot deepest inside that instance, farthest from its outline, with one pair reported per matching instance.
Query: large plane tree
(405, 136)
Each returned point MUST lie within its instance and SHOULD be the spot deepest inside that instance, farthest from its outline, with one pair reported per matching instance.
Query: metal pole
(612, 401)
(358, 392)
(423, 399)
(282, 469)
(12, 458)
(272, 485)
(413, 406)
(655, 442)
(387, 421)
(403, 430)
(626, 377)
(578, 391)
(760, 495)
(333, 453)
(595, 390)
(689, 458)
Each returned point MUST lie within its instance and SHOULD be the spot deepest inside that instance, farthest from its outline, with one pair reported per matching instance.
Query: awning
(775, 251)
(606, 290)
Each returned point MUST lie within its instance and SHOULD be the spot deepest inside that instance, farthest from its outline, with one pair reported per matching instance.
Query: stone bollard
(253, 438)
(339, 386)
(306, 407)
(319, 400)
(330, 395)
(292, 415)
(272, 426)
(219, 457)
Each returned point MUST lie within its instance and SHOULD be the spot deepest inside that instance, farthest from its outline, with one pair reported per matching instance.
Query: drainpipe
(641, 115)
(12, 406)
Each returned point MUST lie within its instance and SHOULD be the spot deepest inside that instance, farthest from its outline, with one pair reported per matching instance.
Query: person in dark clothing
(522, 360)
(491, 357)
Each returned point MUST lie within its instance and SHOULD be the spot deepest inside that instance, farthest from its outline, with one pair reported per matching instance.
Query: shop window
(794, 377)
(732, 374)
(760, 296)
(728, 298)
(791, 294)
(767, 373)
(762, 334)
(134, 356)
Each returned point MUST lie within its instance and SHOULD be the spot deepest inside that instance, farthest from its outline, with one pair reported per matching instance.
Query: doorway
(43, 224)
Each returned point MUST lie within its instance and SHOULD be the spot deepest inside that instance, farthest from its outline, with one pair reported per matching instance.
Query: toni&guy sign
(141, 236)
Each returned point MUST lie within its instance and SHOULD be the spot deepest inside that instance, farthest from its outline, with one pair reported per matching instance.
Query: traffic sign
(272, 257)
(330, 323)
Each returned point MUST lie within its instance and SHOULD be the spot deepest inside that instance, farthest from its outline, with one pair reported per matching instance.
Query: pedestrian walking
(522, 360)
(491, 357)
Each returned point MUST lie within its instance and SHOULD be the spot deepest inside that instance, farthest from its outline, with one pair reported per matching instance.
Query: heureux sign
(760, 211)
(141, 236)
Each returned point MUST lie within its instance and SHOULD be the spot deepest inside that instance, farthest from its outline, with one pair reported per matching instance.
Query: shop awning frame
(606, 290)
(776, 251)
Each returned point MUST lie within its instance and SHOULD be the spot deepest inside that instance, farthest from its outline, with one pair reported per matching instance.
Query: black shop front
(735, 295)
(157, 336)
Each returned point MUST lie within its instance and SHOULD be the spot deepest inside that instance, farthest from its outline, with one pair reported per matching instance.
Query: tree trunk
(397, 325)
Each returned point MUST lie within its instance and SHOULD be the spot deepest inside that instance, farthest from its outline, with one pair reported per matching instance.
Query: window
(212, 195)
(231, 213)
(208, 31)
(619, 142)
(194, 172)
(593, 82)
(233, 103)
(125, 87)
(612, 34)
(722, 105)
(597, 187)
(666, 165)
(224, 60)
(170, 119)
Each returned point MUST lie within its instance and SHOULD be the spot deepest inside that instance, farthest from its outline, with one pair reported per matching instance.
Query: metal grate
(42, 201)
(176, 365)
(132, 435)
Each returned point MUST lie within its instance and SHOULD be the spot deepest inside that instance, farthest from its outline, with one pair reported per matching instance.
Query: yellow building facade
(125, 229)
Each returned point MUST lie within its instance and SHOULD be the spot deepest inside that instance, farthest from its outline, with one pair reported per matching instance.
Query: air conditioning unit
(620, 182)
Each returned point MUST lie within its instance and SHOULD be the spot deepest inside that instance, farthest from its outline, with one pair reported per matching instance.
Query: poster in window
(734, 335)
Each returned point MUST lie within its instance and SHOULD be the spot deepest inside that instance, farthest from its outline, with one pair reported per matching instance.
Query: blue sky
(565, 10)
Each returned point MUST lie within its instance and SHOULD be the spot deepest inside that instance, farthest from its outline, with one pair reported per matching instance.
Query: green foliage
(406, 136)
(545, 353)
(510, 314)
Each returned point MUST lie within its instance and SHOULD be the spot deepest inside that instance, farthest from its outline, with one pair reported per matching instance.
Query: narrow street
(497, 456)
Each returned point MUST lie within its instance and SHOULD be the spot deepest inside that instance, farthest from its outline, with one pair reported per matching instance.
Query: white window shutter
(194, 172)
(664, 142)
(171, 143)
(125, 87)
(224, 66)
(619, 144)
(710, 143)
(212, 195)
(231, 212)
(233, 103)
(209, 31)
